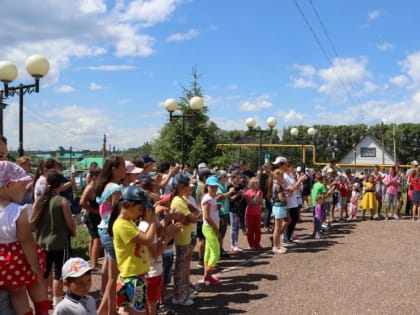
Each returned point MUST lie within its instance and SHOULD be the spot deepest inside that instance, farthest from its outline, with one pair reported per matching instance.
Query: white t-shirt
(40, 187)
(214, 212)
(288, 181)
(69, 306)
(8, 218)
(156, 265)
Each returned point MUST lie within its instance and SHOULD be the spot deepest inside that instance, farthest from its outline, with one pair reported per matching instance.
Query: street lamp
(37, 66)
(2, 107)
(171, 105)
(295, 133)
(271, 123)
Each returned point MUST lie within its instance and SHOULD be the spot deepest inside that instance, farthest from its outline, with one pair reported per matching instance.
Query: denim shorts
(107, 243)
(279, 212)
(168, 261)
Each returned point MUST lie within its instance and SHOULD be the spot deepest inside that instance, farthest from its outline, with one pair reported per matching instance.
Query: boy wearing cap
(76, 274)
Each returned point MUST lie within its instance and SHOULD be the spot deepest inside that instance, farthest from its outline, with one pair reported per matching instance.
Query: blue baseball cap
(212, 181)
(136, 193)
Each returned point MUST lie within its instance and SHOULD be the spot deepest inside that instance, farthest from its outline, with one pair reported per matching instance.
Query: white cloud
(149, 12)
(373, 15)
(411, 65)
(343, 76)
(385, 46)
(293, 117)
(302, 83)
(94, 86)
(92, 6)
(112, 68)
(399, 80)
(124, 101)
(177, 37)
(306, 76)
(369, 87)
(307, 71)
(256, 105)
(232, 87)
(65, 89)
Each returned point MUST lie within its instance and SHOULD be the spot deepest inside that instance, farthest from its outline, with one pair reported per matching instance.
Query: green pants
(212, 249)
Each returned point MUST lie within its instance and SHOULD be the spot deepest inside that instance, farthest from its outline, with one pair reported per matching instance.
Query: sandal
(164, 310)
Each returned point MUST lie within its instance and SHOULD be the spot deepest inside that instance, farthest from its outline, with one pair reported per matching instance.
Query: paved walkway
(367, 267)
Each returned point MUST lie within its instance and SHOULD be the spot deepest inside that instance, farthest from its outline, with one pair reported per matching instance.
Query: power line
(330, 42)
(320, 45)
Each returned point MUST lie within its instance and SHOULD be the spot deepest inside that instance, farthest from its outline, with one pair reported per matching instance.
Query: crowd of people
(149, 224)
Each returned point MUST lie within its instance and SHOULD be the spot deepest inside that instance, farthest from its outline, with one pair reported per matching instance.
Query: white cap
(299, 169)
(202, 165)
(280, 159)
(414, 163)
(75, 267)
(330, 170)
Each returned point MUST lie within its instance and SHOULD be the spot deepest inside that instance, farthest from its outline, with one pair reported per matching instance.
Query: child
(165, 233)
(369, 198)
(130, 248)
(354, 202)
(53, 224)
(211, 230)
(254, 198)
(279, 211)
(318, 216)
(21, 261)
(76, 274)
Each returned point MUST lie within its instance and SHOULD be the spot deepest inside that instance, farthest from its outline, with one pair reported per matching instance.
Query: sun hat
(74, 268)
(280, 159)
(131, 168)
(136, 193)
(212, 181)
(10, 172)
(182, 179)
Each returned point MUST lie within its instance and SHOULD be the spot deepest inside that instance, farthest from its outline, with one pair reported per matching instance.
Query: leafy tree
(199, 133)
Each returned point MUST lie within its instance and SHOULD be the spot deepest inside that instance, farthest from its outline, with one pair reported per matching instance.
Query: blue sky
(114, 63)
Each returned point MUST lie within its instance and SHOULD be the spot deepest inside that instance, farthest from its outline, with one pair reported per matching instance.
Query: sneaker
(375, 217)
(279, 250)
(396, 217)
(236, 249)
(386, 219)
(317, 236)
(211, 279)
(191, 296)
(200, 263)
(183, 302)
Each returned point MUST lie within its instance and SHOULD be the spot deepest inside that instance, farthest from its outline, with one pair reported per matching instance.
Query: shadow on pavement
(234, 289)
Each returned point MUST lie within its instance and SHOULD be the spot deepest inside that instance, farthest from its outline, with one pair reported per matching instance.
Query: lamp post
(383, 141)
(271, 123)
(37, 66)
(295, 133)
(2, 107)
(171, 105)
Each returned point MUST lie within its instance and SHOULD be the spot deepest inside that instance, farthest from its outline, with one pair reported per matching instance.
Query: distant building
(365, 155)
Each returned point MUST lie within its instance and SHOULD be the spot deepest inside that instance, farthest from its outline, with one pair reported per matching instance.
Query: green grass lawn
(80, 242)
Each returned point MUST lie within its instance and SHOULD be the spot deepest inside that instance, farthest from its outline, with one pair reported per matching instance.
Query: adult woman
(53, 223)
(108, 191)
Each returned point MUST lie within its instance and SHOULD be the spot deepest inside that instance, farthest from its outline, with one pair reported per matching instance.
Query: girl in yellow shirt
(130, 248)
